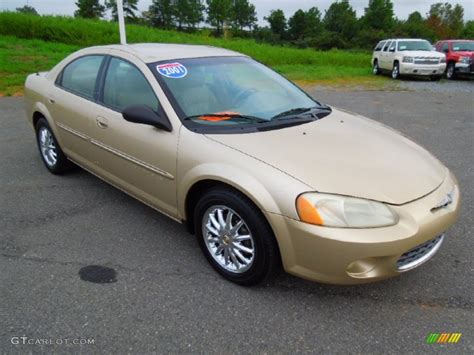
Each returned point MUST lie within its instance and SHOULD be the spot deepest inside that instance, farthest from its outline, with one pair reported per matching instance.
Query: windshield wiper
(295, 112)
(230, 115)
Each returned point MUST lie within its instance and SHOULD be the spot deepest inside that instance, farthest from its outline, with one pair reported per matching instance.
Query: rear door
(138, 158)
(71, 103)
(384, 56)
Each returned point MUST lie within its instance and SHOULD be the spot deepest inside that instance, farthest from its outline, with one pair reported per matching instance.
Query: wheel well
(36, 116)
(195, 193)
(395, 62)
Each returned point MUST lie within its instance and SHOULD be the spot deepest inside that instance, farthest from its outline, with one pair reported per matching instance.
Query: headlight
(343, 212)
(464, 60)
(407, 60)
(442, 60)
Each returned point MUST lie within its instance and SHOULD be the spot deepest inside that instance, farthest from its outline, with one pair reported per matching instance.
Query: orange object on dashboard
(219, 118)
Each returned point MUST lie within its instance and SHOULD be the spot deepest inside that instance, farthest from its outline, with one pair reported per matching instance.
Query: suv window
(386, 46)
(125, 86)
(445, 47)
(80, 75)
(379, 46)
(392, 46)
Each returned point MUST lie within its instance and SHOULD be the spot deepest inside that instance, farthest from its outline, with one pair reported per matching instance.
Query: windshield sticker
(402, 47)
(456, 48)
(172, 70)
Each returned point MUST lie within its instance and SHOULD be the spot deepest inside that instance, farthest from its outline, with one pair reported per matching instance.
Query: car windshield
(463, 46)
(414, 46)
(231, 91)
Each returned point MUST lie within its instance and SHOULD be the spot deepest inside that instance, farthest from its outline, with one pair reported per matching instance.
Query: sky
(402, 7)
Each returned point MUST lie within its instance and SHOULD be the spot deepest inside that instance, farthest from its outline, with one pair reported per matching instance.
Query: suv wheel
(396, 71)
(235, 238)
(451, 71)
(375, 68)
(53, 157)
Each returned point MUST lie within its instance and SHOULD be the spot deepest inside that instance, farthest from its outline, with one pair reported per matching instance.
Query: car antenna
(121, 21)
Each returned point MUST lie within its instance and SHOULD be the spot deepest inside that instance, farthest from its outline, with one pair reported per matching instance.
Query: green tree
(243, 14)
(89, 9)
(188, 12)
(305, 24)
(415, 26)
(277, 21)
(29, 10)
(296, 25)
(379, 15)
(219, 13)
(129, 9)
(312, 22)
(445, 20)
(340, 18)
(161, 14)
(468, 31)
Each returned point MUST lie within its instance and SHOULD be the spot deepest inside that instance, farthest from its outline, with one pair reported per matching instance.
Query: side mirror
(145, 115)
(392, 50)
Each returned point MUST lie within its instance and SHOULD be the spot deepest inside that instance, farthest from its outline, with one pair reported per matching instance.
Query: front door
(138, 158)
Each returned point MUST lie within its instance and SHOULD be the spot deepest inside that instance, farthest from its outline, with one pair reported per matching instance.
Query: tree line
(338, 27)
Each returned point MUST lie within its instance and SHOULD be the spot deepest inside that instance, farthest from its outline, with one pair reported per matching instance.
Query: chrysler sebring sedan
(261, 173)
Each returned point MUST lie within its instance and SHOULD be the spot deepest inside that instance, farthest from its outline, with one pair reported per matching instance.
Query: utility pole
(121, 21)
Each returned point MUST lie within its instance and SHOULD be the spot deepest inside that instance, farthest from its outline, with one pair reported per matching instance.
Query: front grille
(419, 254)
(426, 60)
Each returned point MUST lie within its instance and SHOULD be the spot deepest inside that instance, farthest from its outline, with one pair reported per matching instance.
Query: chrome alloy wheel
(228, 239)
(47, 146)
(395, 72)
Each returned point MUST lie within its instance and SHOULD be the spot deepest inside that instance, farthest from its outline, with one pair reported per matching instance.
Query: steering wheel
(242, 95)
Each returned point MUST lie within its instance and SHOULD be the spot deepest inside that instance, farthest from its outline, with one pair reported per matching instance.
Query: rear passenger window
(379, 46)
(386, 46)
(392, 46)
(125, 86)
(80, 76)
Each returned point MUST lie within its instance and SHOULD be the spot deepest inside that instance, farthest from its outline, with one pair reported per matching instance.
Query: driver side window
(125, 86)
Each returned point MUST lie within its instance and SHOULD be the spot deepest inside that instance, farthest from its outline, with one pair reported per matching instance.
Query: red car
(459, 56)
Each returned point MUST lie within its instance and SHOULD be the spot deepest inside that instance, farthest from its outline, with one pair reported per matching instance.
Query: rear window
(379, 46)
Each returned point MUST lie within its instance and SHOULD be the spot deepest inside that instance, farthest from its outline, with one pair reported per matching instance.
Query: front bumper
(351, 256)
(422, 69)
(464, 68)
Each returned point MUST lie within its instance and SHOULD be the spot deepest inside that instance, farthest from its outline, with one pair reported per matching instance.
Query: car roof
(404, 39)
(155, 52)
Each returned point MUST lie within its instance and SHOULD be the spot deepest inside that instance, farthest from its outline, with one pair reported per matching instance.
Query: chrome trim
(73, 131)
(424, 258)
(447, 200)
(118, 152)
(132, 159)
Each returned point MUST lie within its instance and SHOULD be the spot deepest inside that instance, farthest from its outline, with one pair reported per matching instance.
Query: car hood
(346, 154)
(465, 54)
(423, 54)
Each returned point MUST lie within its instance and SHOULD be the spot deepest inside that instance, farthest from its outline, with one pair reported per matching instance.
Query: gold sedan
(263, 174)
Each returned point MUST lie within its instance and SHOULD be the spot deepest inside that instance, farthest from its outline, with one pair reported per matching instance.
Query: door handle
(102, 122)
(51, 100)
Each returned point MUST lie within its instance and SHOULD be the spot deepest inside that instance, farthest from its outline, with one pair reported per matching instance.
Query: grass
(39, 43)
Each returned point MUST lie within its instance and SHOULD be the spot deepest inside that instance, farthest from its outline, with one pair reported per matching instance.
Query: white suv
(408, 57)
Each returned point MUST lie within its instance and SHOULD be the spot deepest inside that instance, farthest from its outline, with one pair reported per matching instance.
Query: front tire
(451, 71)
(396, 71)
(235, 237)
(51, 153)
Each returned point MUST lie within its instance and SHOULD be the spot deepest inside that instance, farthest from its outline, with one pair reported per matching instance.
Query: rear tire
(396, 71)
(451, 71)
(247, 255)
(51, 153)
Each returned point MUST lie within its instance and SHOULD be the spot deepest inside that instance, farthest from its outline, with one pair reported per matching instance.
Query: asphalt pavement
(166, 298)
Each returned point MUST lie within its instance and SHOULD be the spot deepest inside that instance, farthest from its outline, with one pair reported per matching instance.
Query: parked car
(262, 173)
(408, 57)
(459, 57)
